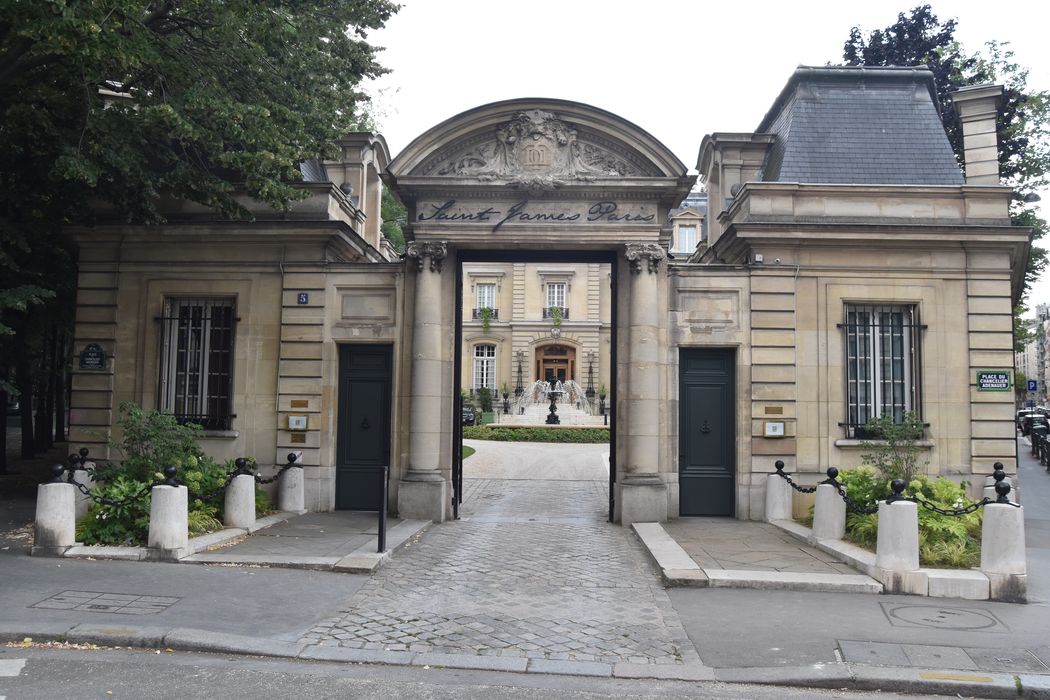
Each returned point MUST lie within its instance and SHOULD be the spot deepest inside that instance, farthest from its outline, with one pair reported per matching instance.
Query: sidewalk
(533, 580)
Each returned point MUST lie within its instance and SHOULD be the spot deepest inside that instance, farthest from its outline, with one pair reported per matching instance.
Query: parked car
(1032, 419)
(469, 416)
(1019, 420)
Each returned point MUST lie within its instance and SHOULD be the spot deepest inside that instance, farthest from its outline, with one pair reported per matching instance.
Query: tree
(114, 105)
(920, 38)
(394, 216)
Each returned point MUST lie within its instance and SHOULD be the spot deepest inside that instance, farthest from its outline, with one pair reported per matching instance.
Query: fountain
(553, 403)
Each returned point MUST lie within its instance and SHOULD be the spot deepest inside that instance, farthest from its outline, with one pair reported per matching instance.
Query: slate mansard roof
(857, 125)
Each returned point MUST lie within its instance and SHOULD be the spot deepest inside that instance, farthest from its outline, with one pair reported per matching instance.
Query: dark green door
(363, 446)
(707, 435)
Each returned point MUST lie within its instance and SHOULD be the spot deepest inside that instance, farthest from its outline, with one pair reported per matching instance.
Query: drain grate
(121, 603)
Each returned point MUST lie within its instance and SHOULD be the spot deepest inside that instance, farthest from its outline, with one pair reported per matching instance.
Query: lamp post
(590, 375)
(519, 389)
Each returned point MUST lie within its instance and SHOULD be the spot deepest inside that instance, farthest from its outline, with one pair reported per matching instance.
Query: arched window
(485, 367)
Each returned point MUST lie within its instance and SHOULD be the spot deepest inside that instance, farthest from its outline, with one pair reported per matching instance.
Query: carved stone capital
(649, 253)
(435, 250)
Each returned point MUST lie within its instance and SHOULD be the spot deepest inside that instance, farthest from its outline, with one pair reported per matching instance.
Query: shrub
(896, 455)
(152, 441)
(536, 434)
(944, 540)
(485, 399)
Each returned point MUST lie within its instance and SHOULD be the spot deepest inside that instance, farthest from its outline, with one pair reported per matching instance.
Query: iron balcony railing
(479, 314)
(548, 312)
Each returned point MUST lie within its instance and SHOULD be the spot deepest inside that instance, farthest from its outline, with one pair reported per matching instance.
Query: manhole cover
(938, 617)
(122, 603)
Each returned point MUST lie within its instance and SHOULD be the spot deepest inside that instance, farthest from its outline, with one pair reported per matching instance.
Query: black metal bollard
(897, 486)
(57, 471)
(170, 476)
(382, 512)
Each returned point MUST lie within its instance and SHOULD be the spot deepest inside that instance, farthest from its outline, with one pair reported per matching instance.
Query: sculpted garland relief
(535, 150)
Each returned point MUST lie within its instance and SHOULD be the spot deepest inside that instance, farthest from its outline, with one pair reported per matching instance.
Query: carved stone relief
(535, 150)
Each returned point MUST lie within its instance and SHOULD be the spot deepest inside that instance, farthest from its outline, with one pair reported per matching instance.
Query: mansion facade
(841, 267)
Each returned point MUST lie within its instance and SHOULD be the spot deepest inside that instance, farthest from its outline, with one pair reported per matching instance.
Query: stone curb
(830, 675)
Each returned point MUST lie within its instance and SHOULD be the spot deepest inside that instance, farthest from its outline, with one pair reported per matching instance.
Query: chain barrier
(292, 457)
(779, 464)
(1002, 488)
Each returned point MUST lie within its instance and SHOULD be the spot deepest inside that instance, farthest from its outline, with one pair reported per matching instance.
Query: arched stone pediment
(536, 144)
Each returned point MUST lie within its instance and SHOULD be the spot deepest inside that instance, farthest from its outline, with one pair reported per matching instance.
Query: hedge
(528, 433)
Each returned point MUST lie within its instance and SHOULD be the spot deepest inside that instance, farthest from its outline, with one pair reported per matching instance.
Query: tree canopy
(920, 38)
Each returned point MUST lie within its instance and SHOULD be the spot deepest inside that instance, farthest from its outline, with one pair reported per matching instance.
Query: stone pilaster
(643, 493)
(423, 492)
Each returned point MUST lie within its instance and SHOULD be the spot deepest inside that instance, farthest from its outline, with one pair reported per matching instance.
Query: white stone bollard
(897, 546)
(778, 498)
(240, 502)
(829, 514)
(83, 501)
(168, 522)
(55, 524)
(290, 493)
(1003, 552)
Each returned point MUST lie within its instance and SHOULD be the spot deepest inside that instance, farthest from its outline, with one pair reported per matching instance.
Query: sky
(678, 69)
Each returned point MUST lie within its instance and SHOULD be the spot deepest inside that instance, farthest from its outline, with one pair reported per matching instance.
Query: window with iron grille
(196, 360)
(484, 367)
(882, 364)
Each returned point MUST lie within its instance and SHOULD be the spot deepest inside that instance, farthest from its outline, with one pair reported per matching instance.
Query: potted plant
(504, 389)
(556, 316)
(486, 318)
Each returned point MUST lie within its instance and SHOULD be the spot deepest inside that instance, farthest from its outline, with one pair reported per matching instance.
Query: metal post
(382, 513)
(519, 389)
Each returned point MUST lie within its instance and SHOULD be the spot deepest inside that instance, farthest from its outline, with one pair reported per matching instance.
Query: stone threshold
(968, 584)
(363, 560)
(677, 568)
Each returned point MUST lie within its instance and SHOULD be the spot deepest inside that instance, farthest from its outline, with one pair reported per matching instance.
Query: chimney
(977, 106)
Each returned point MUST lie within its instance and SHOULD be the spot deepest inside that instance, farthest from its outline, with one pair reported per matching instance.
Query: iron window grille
(883, 362)
(196, 361)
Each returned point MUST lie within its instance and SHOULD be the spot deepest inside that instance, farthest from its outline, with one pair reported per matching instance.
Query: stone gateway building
(842, 269)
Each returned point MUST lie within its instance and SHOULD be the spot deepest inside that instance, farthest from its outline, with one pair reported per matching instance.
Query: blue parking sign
(1033, 385)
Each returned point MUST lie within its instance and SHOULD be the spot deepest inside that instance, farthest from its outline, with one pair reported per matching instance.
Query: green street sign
(994, 380)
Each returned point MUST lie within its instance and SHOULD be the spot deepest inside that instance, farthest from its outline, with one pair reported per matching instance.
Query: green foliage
(920, 38)
(126, 524)
(896, 454)
(556, 315)
(468, 451)
(485, 399)
(395, 218)
(150, 442)
(535, 434)
(486, 318)
(946, 541)
(602, 391)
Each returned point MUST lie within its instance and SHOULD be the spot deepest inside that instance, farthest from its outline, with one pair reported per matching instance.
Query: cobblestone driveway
(531, 570)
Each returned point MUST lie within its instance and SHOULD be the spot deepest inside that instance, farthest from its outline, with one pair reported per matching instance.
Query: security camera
(776, 261)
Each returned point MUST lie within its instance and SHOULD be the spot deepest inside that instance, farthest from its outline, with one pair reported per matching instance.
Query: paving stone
(506, 580)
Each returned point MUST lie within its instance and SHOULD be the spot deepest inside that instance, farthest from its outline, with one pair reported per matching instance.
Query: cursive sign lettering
(519, 212)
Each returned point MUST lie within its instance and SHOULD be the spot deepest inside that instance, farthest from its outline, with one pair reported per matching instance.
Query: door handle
(705, 428)
(364, 423)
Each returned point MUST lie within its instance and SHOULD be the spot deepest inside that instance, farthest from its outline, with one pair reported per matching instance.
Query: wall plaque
(300, 403)
(297, 438)
(92, 358)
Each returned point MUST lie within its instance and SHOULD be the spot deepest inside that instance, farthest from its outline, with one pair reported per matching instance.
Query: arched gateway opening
(543, 181)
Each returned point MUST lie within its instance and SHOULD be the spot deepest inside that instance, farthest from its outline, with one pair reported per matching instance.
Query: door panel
(363, 445)
(707, 435)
